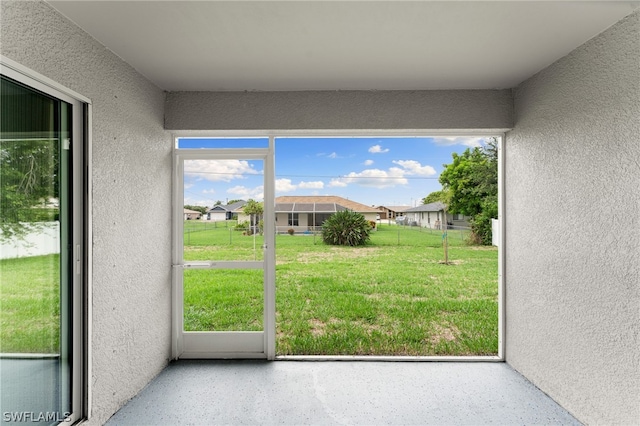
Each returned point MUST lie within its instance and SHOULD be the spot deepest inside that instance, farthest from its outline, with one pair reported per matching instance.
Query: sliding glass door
(41, 255)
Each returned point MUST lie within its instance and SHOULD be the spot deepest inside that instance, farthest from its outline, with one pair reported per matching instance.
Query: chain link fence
(209, 233)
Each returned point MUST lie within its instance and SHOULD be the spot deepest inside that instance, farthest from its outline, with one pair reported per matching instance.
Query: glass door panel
(35, 259)
(223, 260)
(223, 300)
(217, 227)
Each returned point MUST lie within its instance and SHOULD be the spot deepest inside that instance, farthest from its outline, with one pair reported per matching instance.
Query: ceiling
(341, 45)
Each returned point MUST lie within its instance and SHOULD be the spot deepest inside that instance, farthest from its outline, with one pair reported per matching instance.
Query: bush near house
(346, 228)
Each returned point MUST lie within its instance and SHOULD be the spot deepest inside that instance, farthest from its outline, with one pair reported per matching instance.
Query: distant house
(391, 212)
(220, 212)
(305, 213)
(432, 215)
(191, 214)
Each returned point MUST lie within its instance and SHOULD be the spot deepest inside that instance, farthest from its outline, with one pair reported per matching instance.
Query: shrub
(242, 226)
(372, 224)
(346, 228)
(481, 223)
(290, 231)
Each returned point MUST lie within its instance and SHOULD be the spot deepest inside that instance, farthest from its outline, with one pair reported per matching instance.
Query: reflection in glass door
(40, 256)
(223, 259)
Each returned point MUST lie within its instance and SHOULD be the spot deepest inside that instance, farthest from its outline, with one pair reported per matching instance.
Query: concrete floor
(371, 393)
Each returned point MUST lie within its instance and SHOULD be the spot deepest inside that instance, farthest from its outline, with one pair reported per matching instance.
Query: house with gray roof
(220, 212)
(433, 215)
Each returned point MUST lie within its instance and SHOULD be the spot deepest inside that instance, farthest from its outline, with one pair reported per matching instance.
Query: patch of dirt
(452, 262)
(317, 327)
(337, 253)
(443, 331)
(402, 297)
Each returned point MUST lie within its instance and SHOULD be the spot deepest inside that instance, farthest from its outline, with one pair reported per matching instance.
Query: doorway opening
(424, 285)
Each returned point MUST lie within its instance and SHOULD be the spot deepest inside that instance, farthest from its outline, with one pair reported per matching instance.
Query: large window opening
(425, 284)
(42, 260)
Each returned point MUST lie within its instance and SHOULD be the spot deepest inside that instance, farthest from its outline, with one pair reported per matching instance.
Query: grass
(30, 305)
(392, 297)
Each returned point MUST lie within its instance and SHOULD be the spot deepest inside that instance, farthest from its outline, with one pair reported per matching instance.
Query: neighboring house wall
(217, 215)
(572, 229)
(243, 217)
(434, 219)
(305, 221)
(282, 222)
(370, 216)
(131, 167)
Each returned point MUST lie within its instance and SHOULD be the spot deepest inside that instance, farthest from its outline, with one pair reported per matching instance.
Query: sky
(391, 171)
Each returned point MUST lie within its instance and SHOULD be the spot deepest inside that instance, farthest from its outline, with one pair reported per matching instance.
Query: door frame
(501, 133)
(209, 345)
(81, 255)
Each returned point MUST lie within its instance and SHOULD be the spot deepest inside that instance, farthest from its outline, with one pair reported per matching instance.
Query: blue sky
(370, 170)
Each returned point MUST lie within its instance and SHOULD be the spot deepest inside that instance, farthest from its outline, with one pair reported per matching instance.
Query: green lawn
(29, 305)
(392, 297)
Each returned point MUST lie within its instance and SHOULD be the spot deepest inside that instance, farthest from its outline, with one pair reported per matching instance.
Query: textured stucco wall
(131, 178)
(573, 231)
(436, 109)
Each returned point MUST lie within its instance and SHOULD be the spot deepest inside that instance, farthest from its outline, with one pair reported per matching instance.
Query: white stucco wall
(131, 172)
(352, 110)
(573, 231)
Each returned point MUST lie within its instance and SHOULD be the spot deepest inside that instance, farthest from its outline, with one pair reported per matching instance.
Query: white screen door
(224, 255)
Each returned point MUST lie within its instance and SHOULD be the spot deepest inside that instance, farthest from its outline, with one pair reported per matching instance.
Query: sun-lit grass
(29, 305)
(392, 297)
(226, 288)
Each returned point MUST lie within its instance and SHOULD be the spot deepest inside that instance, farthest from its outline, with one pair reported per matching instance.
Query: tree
(441, 196)
(29, 172)
(200, 209)
(233, 201)
(346, 228)
(472, 182)
(254, 210)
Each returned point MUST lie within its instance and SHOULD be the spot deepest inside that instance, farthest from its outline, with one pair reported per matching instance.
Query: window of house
(293, 219)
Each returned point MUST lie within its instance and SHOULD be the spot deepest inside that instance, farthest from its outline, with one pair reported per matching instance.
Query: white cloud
(374, 178)
(284, 185)
(415, 168)
(256, 193)
(368, 162)
(311, 185)
(377, 149)
(219, 170)
(337, 183)
(471, 142)
(333, 155)
(209, 191)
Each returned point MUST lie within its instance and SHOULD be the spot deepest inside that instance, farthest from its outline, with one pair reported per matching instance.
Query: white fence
(44, 238)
